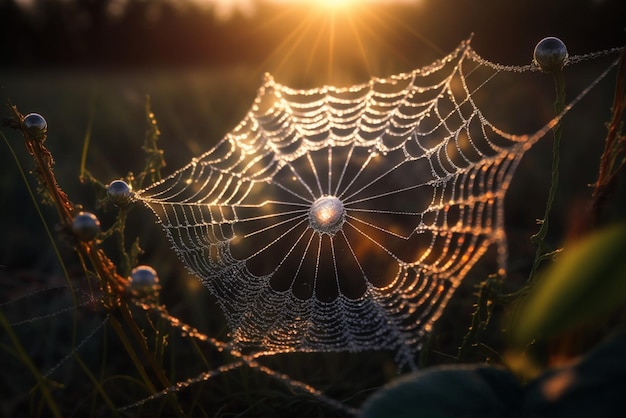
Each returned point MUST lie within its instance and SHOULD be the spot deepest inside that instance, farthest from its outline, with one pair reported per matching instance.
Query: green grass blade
(86, 141)
(585, 284)
(97, 385)
(24, 357)
(43, 219)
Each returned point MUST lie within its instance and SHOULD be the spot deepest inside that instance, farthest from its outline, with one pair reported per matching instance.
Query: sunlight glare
(330, 5)
(336, 4)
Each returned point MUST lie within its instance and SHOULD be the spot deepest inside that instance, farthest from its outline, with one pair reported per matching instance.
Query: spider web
(343, 219)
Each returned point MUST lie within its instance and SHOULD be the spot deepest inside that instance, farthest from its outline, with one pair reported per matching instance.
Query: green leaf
(586, 283)
(460, 391)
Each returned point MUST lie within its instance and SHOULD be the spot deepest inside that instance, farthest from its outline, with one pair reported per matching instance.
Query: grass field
(194, 110)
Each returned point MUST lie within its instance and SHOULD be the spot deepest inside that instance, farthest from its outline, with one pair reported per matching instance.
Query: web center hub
(327, 215)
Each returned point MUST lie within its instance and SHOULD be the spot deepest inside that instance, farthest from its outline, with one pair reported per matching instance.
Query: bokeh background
(87, 66)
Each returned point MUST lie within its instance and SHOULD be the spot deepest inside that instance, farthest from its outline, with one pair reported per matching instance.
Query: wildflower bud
(120, 193)
(550, 55)
(36, 126)
(85, 226)
(144, 281)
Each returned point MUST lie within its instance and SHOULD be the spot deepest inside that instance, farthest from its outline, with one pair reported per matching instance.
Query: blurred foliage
(593, 386)
(585, 285)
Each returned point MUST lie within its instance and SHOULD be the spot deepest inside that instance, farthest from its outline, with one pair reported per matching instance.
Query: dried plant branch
(111, 282)
(613, 158)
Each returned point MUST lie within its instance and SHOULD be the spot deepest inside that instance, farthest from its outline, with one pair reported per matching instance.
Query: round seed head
(144, 281)
(550, 55)
(119, 192)
(36, 126)
(85, 226)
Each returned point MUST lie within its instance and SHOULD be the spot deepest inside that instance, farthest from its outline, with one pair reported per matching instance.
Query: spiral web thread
(420, 175)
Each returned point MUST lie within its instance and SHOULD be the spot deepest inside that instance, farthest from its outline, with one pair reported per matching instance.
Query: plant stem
(121, 226)
(44, 162)
(614, 147)
(481, 316)
(539, 238)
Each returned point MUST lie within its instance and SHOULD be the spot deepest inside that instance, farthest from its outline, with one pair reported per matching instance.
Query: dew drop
(144, 281)
(85, 226)
(36, 126)
(119, 192)
(550, 55)
(327, 215)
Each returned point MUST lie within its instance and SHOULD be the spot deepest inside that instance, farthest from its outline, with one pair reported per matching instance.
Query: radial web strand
(343, 219)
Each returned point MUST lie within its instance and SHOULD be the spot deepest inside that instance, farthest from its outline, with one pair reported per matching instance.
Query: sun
(336, 42)
(331, 5)
(337, 4)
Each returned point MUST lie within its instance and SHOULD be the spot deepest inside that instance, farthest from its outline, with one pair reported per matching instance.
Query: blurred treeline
(182, 33)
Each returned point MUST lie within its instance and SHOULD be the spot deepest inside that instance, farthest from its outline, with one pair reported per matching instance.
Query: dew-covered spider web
(343, 219)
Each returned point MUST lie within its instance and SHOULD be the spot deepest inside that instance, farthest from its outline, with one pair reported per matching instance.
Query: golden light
(326, 214)
(333, 42)
(329, 4)
(324, 43)
(336, 4)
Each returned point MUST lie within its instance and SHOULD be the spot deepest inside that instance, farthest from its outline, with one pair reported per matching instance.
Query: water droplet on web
(327, 215)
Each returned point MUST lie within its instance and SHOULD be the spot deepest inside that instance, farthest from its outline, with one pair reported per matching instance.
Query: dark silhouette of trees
(157, 33)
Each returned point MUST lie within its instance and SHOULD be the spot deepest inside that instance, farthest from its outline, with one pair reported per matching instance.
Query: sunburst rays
(334, 42)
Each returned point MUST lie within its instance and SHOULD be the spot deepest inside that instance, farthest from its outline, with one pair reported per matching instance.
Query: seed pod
(85, 226)
(36, 126)
(119, 192)
(550, 55)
